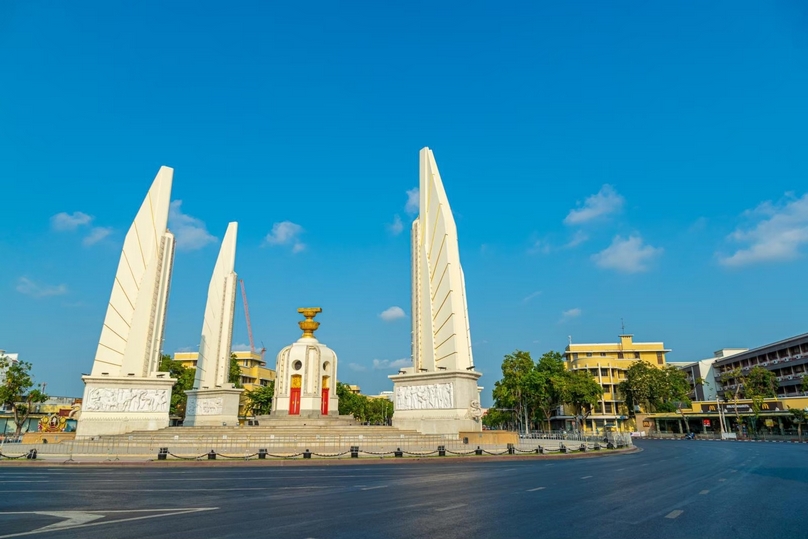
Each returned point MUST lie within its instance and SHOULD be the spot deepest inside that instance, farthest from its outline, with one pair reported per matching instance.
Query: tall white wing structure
(217, 328)
(125, 391)
(132, 334)
(439, 393)
(440, 332)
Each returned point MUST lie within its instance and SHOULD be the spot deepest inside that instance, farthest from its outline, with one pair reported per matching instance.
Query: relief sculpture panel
(206, 406)
(426, 397)
(103, 399)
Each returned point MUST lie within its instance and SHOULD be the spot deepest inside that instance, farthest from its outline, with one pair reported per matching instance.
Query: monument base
(212, 407)
(442, 402)
(117, 405)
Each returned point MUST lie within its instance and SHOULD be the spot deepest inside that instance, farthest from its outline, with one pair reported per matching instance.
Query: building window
(619, 355)
(246, 363)
(636, 355)
(608, 407)
(575, 356)
(659, 358)
(603, 354)
(589, 354)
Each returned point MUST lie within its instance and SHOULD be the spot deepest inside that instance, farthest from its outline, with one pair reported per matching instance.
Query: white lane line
(374, 488)
(458, 506)
(535, 489)
(587, 477)
(674, 514)
(646, 464)
(620, 469)
(722, 479)
(704, 492)
(733, 471)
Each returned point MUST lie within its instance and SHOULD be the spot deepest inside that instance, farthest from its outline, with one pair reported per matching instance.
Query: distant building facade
(787, 359)
(608, 363)
(701, 374)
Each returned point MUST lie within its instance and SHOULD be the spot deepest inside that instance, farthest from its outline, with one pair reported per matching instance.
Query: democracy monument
(126, 392)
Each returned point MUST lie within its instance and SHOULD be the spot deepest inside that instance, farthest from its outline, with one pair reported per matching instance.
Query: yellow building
(608, 363)
(254, 371)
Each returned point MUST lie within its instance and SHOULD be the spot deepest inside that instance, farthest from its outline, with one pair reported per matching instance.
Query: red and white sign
(705, 422)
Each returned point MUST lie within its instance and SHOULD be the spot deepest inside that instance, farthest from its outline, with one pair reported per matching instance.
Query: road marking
(646, 464)
(722, 479)
(458, 506)
(374, 488)
(674, 514)
(535, 489)
(704, 492)
(733, 471)
(83, 519)
(587, 477)
(620, 469)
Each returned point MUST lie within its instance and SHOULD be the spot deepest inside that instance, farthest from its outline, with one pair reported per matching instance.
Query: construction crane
(247, 316)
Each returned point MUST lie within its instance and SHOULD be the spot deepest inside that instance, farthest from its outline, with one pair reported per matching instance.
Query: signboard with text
(741, 408)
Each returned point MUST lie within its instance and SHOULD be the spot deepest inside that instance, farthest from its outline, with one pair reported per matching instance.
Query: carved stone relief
(426, 397)
(103, 399)
(206, 406)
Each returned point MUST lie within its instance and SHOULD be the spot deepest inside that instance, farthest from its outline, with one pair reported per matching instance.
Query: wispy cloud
(97, 233)
(570, 314)
(190, 233)
(396, 227)
(577, 239)
(605, 202)
(286, 233)
(386, 364)
(240, 347)
(357, 367)
(69, 221)
(540, 247)
(627, 255)
(531, 296)
(393, 313)
(38, 290)
(413, 201)
(778, 232)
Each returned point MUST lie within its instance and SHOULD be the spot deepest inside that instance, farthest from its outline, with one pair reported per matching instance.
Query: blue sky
(634, 161)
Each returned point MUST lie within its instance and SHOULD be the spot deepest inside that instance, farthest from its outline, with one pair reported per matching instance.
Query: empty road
(671, 489)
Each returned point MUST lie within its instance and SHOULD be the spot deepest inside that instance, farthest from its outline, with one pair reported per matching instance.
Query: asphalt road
(672, 489)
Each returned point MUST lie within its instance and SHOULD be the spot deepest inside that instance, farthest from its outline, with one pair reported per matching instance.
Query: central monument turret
(306, 374)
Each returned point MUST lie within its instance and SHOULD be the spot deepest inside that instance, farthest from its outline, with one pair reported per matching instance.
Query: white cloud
(190, 233)
(413, 201)
(97, 233)
(286, 233)
(780, 232)
(393, 313)
(396, 227)
(570, 314)
(240, 347)
(628, 255)
(540, 247)
(70, 221)
(531, 296)
(603, 203)
(383, 364)
(357, 367)
(30, 288)
(577, 239)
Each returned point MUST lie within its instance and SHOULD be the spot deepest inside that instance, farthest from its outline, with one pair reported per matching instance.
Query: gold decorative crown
(309, 326)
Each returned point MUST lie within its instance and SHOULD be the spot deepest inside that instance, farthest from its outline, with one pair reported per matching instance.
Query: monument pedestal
(442, 402)
(212, 407)
(117, 405)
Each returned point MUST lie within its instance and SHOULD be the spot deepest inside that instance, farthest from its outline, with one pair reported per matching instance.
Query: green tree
(516, 390)
(351, 403)
(259, 400)
(580, 390)
(804, 385)
(546, 385)
(758, 385)
(638, 389)
(737, 377)
(18, 391)
(654, 389)
(799, 417)
(496, 419)
(234, 374)
(185, 381)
